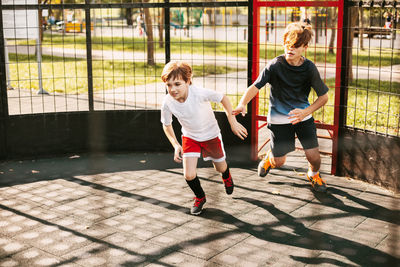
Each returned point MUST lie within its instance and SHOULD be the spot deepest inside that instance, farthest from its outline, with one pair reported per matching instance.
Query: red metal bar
(325, 126)
(263, 125)
(296, 3)
(260, 118)
(255, 72)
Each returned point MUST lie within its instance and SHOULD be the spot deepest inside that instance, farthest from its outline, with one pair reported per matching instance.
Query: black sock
(225, 174)
(196, 187)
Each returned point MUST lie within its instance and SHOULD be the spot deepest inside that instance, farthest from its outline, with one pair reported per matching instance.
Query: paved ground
(132, 210)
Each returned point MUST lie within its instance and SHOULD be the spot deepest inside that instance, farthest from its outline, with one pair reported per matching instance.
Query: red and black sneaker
(197, 207)
(228, 182)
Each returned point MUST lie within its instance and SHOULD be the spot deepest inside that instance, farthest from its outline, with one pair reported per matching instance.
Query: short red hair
(176, 70)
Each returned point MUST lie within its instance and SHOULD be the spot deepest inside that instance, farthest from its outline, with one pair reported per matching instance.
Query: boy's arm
(250, 93)
(169, 132)
(236, 127)
(297, 115)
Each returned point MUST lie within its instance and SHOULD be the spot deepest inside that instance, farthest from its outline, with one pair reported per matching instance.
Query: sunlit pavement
(133, 210)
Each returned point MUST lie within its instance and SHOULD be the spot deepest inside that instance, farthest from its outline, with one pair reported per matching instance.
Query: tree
(150, 39)
(128, 16)
(149, 28)
(353, 15)
(161, 28)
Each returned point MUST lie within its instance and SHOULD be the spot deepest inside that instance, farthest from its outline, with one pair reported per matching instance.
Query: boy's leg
(313, 175)
(314, 159)
(214, 150)
(189, 170)
(222, 167)
(282, 142)
(307, 134)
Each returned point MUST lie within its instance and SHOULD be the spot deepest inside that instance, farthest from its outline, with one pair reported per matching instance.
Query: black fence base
(370, 157)
(43, 135)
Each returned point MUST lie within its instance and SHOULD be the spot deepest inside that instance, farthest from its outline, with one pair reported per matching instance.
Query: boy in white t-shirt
(200, 131)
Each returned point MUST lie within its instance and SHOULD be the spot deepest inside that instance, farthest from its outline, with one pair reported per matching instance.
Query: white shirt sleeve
(166, 115)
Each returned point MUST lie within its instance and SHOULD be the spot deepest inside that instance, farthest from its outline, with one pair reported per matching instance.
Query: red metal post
(255, 72)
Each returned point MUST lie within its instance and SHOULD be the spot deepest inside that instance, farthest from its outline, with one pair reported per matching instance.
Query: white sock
(311, 173)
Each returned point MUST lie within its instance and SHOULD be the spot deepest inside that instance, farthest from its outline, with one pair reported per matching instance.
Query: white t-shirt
(195, 114)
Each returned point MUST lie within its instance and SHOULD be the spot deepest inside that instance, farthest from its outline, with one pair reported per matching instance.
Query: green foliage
(372, 58)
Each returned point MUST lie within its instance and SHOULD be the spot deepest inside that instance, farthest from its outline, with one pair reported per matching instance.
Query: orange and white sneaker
(317, 183)
(264, 166)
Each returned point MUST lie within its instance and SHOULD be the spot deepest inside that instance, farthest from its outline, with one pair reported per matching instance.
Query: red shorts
(211, 149)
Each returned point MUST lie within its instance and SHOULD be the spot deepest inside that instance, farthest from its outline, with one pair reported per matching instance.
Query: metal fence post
(89, 54)
(3, 92)
(344, 79)
(167, 28)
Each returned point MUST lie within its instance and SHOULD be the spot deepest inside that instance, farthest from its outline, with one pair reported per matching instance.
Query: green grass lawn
(374, 57)
(68, 75)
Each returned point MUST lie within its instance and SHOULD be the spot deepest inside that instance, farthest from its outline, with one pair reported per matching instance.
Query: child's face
(178, 89)
(293, 54)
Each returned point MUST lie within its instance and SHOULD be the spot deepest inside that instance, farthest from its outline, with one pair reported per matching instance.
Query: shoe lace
(317, 178)
(228, 181)
(197, 201)
(267, 164)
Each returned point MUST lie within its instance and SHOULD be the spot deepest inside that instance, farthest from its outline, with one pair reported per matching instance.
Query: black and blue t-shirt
(290, 87)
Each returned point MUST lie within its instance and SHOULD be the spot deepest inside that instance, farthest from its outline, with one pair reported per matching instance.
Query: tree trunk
(353, 12)
(161, 29)
(128, 16)
(40, 24)
(150, 42)
(332, 21)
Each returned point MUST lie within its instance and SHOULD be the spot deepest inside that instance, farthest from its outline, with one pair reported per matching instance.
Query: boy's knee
(190, 175)
(220, 167)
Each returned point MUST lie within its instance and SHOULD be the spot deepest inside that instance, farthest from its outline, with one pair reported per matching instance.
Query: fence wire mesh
(373, 96)
(48, 69)
(50, 72)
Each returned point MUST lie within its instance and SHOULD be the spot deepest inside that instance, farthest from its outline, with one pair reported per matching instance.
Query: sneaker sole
(196, 213)
(227, 190)
(317, 189)
(260, 169)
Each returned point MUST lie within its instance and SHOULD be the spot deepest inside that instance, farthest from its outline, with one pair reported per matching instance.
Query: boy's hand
(178, 154)
(297, 115)
(238, 130)
(239, 109)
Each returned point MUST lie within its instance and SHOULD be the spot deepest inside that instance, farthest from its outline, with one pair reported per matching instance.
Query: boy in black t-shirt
(291, 77)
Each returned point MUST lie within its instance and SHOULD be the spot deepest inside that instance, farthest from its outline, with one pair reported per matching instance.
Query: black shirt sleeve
(263, 78)
(319, 86)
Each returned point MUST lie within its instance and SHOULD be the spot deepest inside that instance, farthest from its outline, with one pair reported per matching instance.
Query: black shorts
(283, 136)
